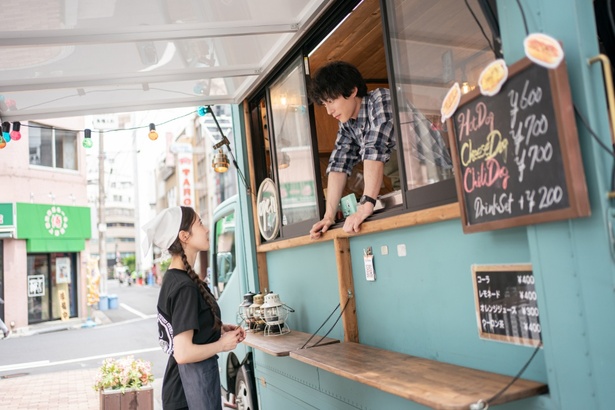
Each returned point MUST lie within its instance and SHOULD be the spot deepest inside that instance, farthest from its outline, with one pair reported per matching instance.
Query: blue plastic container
(113, 302)
(103, 303)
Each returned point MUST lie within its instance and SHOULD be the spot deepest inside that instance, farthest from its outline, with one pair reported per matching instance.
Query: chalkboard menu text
(506, 308)
(516, 154)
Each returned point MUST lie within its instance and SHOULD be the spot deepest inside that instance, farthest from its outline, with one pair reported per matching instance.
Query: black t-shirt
(181, 308)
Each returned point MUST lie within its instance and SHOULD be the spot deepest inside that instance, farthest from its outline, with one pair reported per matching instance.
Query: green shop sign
(53, 228)
(6, 216)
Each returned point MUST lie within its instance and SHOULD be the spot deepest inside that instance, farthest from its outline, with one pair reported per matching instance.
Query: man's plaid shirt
(369, 137)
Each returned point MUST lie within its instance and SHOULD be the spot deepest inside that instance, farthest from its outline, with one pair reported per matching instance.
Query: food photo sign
(514, 143)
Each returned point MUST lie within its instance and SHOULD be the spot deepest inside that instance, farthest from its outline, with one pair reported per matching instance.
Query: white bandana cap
(163, 229)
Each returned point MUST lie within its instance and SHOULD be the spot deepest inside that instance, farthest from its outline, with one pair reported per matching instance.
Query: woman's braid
(209, 298)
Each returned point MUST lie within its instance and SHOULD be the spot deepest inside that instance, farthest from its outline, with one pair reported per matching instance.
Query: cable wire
(527, 32)
(480, 27)
(498, 394)
(323, 323)
(29, 125)
(337, 320)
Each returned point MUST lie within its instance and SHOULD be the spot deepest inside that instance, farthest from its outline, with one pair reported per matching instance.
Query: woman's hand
(230, 328)
(228, 340)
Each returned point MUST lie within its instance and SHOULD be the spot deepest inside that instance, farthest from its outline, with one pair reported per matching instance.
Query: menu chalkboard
(516, 154)
(506, 307)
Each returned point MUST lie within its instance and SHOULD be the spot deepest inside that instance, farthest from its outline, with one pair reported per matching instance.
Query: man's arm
(335, 186)
(372, 171)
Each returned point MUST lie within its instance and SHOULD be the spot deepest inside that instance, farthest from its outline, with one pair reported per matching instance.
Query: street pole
(138, 255)
(102, 226)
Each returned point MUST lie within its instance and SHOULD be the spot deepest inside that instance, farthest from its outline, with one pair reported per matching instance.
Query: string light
(6, 127)
(16, 134)
(153, 135)
(87, 140)
(6, 135)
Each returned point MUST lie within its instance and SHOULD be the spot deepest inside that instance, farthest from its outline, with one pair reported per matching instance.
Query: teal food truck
(486, 279)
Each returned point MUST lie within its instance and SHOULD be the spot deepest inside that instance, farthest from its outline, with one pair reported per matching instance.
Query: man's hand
(321, 227)
(354, 221)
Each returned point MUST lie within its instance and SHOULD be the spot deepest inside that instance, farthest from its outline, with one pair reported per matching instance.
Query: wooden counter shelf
(283, 345)
(427, 382)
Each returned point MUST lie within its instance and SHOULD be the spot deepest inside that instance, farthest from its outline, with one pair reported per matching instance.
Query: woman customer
(189, 325)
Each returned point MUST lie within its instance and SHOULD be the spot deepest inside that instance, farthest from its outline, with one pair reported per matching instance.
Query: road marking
(43, 363)
(24, 365)
(135, 311)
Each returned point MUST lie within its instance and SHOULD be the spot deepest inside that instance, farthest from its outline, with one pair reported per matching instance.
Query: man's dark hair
(336, 79)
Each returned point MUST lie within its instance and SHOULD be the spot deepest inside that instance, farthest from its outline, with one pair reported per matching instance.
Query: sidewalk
(70, 390)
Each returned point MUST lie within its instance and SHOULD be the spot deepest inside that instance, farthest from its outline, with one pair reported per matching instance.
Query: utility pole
(135, 172)
(102, 226)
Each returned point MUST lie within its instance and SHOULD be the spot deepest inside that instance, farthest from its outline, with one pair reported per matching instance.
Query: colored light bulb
(6, 127)
(2, 143)
(202, 111)
(153, 135)
(87, 140)
(16, 134)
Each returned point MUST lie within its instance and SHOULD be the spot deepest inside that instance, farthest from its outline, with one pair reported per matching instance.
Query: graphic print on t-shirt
(165, 334)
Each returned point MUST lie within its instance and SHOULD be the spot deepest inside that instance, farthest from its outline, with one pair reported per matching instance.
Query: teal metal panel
(282, 380)
(306, 279)
(361, 396)
(572, 262)
(244, 221)
(422, 304)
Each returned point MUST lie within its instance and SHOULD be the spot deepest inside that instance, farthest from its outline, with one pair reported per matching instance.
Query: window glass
(40, 141)
(51, 147)
(38, 288)
(224, 251)
(66, 149)
(428, 58)
(293, 146)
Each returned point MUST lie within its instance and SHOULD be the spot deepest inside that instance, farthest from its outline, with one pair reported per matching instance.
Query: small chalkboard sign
(506, 308)
(516, 154)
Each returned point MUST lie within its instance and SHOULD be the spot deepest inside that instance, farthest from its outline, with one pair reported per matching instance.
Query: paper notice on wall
(62, 270)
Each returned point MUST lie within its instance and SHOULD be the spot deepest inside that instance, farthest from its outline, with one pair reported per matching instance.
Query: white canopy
(61, 58)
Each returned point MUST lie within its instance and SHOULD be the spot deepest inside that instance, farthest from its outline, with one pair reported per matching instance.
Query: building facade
(45, 224)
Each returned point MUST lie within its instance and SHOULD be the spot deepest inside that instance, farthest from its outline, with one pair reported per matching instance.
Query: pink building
(45, 224)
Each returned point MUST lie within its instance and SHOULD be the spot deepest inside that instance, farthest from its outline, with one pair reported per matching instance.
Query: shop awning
(53, 228)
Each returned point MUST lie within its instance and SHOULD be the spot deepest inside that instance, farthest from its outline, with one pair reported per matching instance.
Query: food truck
(486, 279)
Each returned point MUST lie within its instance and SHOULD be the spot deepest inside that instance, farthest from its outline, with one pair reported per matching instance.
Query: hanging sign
(506, 304)
(186, 178)
(516, 153)
(268, 210)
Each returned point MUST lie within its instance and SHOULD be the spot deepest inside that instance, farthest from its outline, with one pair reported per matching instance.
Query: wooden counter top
(282, 345)
(428, 382)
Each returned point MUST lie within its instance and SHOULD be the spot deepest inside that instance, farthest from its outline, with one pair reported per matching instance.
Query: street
(131, 329)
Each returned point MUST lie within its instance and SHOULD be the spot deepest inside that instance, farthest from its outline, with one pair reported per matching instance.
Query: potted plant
(125, 383)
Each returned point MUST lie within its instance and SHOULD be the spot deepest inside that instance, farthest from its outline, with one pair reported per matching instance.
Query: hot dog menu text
(508, 151)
